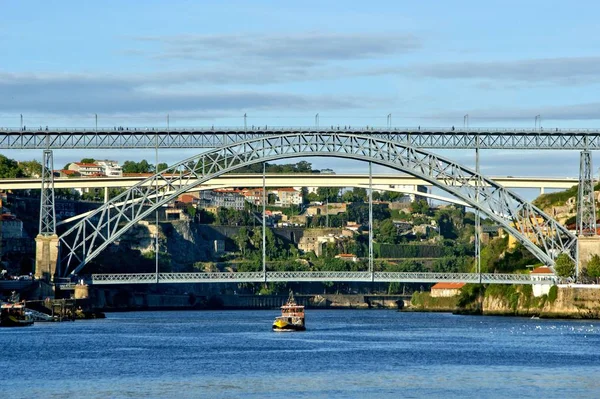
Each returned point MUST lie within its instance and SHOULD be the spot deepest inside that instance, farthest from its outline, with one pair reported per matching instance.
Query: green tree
(420, 207)
(31, 168)
(161, 166)
(88, 160)
(593, 267)
(387, 232)
(564, 266)
(9, 168)
(328, 194)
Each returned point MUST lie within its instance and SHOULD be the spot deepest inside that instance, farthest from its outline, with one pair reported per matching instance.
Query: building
(287, 197)
(110, 168)
(221, 199)
(253, 196)
(446, 290)
(542, 273)
(87, 169)
(11, 226)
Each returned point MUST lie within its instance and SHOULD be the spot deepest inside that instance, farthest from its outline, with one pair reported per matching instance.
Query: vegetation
(564, 266)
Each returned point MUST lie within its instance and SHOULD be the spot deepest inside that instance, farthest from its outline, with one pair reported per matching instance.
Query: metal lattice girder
(538, 232)
(586, 204)
(209, 137)
(257, 277)
(47, 209)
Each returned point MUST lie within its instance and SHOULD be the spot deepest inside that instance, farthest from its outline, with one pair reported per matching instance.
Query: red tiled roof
(69, 172)
(87, 165)
(542, 270)
(448, 286)
(187, 198)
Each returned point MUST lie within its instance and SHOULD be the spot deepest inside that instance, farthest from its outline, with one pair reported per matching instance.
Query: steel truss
(538, 232)
(208, 137)
(258, 277)
(586, 207)
(47, 209)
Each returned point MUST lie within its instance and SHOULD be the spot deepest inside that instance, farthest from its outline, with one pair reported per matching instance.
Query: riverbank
(562, 301)
(108, 300)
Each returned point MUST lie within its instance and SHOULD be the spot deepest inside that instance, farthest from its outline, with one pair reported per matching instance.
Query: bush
(553, 293)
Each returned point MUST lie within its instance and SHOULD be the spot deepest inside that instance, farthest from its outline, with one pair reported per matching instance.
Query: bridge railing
(306, 128)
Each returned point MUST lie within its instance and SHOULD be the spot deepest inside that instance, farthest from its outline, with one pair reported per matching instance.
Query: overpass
(400, 183)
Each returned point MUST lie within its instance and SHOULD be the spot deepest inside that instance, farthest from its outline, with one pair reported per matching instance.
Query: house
(542, 273)
(287, 197)
(110, 168)
(86, 169)
(446, 290)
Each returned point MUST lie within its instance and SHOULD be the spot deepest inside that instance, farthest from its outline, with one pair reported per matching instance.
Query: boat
(15, 315)
(292, 316)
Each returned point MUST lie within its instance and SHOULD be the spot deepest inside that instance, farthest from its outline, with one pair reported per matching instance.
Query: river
(343, 354)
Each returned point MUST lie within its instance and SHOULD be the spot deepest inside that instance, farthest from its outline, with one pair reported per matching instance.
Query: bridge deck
(212, 137)
(258, 277)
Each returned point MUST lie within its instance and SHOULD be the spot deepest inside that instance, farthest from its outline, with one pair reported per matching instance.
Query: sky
(426, 63)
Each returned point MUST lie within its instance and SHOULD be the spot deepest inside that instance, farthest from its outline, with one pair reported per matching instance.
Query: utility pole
(245, 123)
(317, 120)
(96, 115)
(371, 269)
(264, 214)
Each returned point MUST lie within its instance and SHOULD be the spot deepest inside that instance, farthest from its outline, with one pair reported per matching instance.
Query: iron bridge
(213, 137)
(297, 276)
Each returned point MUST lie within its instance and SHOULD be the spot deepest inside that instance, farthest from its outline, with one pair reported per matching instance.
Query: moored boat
(14, 315)
(292, 316)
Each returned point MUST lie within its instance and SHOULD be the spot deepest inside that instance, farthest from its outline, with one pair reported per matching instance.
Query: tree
(31, 168)
(564, 266)
(88, 160)
(9, 168)
(420, 207)
(387, 232)
(593, 267)
(161, 166)
(328, 194)
(304, 194)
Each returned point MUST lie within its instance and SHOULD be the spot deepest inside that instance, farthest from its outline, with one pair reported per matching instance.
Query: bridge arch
(538, 232)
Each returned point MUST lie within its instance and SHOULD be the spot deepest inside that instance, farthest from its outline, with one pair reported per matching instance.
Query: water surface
(343, 354)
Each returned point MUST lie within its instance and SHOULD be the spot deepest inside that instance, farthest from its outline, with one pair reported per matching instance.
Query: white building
(542, 273)
(287, 197)
(86, 169)
(111, 168)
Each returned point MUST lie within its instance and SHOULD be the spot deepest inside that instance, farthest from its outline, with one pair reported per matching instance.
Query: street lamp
(317, 120)
(537, 118)
(466, 121)
(389, 120)
(96, 115)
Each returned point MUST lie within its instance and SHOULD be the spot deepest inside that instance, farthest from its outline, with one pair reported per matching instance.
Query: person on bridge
(452, 128)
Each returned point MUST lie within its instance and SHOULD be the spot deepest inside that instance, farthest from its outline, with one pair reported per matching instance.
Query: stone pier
(587, 246)
(46, 257)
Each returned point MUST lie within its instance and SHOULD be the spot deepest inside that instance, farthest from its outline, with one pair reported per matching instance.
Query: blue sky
(427, 63)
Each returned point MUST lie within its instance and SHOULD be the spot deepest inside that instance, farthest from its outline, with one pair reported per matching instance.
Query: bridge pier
(587, 246)
(46, 257)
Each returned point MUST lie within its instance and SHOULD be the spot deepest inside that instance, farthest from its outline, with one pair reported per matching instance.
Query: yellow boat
(292, 316)
(14, 315)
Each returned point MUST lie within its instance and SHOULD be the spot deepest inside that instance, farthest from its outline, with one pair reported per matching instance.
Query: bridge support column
(46, 257)
(587, 246)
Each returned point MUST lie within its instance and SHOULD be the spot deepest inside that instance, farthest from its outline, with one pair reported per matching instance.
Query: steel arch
(538, 232)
